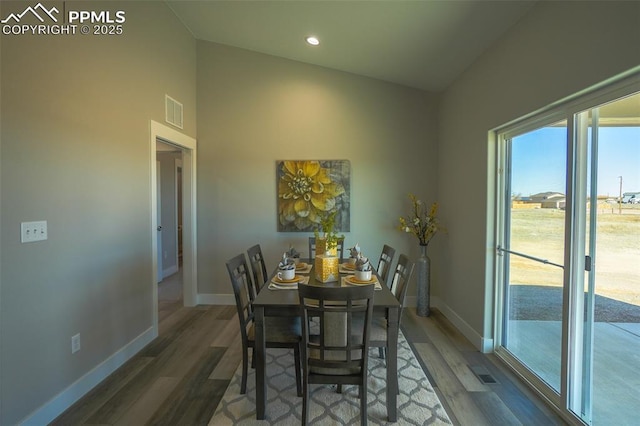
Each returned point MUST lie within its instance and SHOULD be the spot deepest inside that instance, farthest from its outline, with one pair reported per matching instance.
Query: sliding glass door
(568, 257)
(607, 367)
(533, 248)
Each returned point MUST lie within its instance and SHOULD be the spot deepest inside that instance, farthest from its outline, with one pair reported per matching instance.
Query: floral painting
(308, 190)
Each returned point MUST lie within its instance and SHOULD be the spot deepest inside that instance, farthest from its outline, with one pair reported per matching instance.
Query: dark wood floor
(180, 377)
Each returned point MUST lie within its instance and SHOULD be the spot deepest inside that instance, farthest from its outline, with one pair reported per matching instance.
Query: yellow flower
(306, 192)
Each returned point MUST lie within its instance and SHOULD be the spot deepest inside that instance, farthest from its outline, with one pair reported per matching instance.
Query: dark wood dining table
(285, 303)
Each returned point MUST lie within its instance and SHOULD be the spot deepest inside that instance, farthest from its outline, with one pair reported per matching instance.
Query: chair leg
(363, 403)
(245, 367)
(296, 354)
(305, 401)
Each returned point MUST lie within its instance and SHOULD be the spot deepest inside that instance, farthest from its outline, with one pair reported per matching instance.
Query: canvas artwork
(310, 189)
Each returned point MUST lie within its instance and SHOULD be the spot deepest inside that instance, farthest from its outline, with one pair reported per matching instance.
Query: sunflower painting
(309, 190)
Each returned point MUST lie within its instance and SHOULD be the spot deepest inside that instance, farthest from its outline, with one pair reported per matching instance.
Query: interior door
(159, 228)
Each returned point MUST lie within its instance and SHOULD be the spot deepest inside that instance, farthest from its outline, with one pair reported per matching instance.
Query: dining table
(275, 300)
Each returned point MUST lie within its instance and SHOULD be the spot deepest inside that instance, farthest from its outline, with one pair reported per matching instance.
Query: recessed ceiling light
(313, 41)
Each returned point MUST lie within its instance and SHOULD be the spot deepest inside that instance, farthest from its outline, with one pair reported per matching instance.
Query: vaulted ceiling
(423, 44)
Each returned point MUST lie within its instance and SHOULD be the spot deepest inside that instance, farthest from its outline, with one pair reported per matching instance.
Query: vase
(321, 247)
(423, 278)
(326, 266)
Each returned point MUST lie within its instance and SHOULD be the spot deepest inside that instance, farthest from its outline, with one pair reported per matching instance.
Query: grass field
(540, 233)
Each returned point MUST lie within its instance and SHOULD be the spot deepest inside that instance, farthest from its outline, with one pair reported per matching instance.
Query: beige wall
(255, 109)
(556, 50)
(75, 152)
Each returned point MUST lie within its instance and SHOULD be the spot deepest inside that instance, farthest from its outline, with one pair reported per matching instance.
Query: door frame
(166, 134)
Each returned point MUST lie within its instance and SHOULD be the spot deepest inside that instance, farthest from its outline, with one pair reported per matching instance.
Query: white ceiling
(424, 44)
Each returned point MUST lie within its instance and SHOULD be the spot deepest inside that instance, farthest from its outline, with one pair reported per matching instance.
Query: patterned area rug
(417, 402)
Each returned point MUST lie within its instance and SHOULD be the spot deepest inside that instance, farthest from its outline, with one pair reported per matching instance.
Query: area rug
(418, 403)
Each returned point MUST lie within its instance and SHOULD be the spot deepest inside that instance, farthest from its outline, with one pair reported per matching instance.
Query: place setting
(362, 272)
(349, 267)
(288, 275)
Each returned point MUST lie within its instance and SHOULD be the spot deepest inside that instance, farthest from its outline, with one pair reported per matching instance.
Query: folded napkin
(344, 282)
(274, 285)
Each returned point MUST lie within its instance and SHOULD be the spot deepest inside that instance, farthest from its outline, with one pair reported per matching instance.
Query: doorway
(185, 148)
(169, 213)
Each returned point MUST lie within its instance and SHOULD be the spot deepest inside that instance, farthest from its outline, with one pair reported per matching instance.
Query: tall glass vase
(423, 273)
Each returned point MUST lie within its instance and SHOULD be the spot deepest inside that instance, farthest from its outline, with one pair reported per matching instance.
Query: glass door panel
(609, 385)
(534, 250)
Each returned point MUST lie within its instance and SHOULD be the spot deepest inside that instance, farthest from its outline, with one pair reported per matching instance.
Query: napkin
(286, 262)
(362, 263)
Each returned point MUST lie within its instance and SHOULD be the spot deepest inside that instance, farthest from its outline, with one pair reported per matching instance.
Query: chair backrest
(336, 343)
(312, 248)
(384, 264)
(341, 249)
(258, 267)
(400, 274)
(243, 291)
(400, 282)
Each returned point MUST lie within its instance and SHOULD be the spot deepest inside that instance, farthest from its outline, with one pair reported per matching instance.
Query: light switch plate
(33, 231)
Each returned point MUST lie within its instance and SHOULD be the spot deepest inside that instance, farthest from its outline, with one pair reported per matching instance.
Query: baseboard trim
(483, 344)
(216, 299)
(65, 399)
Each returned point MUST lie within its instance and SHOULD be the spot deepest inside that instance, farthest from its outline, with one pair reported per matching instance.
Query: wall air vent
(173, 111)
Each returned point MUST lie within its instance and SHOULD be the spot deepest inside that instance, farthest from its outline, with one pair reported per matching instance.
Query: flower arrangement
(422, 223)
(327, 225)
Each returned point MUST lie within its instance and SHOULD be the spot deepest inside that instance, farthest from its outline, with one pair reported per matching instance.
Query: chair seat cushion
(378, 330)
(279, 330)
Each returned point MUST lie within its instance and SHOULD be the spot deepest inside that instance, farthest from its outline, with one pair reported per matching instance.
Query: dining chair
(280, 332)
(335, 347)
(399, 284)
(258, 267)
(384, 264)
(312, 248)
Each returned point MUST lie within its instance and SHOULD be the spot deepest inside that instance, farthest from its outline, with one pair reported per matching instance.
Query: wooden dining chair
(399, 284)
(258, 267)
(280, 332)
(335, 347)
(312, 248)
(384, 264)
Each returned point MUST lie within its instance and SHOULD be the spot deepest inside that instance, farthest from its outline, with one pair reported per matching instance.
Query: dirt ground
(540, 233)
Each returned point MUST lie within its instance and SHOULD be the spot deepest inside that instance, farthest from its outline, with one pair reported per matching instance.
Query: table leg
(259, 353)
(392, 364)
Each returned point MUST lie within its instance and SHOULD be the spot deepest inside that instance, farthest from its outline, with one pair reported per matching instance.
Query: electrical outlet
(75, 343)
(33, 231)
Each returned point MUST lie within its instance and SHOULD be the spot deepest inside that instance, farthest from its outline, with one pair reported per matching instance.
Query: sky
(539, 161)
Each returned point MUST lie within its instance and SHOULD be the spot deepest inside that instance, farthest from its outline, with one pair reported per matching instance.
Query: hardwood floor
(180, 377)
